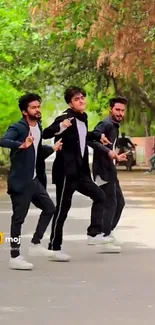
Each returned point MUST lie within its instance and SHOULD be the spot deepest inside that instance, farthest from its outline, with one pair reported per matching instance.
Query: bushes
(9, 111)
(4, 157)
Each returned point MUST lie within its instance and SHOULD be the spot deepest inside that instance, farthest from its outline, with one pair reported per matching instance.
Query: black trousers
(64, 192)
(36, 194)
(114, 205)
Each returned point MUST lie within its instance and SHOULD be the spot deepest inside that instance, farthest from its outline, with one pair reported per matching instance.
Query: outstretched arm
(60, 124)
(102, 149)
(98, 134)
(48, 150)
(98, 146)
(9, 140)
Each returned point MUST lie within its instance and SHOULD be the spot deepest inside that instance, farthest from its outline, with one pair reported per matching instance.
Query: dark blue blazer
(23, 160)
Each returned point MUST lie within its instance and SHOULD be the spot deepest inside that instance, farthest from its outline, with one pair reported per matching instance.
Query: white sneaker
(59, 256)
(99, 240)
(18, 263)
(39, 250)
(115, 241)
(110, 248)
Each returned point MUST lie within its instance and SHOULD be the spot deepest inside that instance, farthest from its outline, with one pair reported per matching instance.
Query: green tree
(105, 41)
(9, 111)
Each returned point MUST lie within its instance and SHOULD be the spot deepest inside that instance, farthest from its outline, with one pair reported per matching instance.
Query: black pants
(64, 193)
(114, 205)
(36, 194)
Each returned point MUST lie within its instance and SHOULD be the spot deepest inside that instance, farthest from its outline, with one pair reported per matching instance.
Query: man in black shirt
(104, 170)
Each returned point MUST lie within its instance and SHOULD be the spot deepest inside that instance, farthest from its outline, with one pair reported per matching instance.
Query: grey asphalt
(93, 288)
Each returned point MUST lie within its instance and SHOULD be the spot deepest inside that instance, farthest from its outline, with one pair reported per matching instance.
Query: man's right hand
(122, 157)
(66, 123)
(58, 145)
(28, 142)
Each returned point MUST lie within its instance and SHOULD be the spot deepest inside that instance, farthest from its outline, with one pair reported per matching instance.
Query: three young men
(27, 178)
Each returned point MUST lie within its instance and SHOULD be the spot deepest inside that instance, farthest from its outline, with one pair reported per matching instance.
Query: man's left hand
(104, 140)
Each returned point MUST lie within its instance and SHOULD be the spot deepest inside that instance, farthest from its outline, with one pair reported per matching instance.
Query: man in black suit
(71, 170)
(27, 178)
(104, 170)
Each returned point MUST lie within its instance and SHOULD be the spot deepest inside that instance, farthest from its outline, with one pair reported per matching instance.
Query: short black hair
(72, 91)
(26, 99)
(115, 100)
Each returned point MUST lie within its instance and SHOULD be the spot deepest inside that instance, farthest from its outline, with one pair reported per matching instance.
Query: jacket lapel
(78, 139)
(74, 123)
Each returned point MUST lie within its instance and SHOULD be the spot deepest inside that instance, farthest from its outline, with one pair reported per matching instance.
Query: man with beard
(105, 173)
(27, 178)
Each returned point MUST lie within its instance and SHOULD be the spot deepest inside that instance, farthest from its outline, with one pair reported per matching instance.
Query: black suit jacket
(102, 164)
(23, 160)
(69, 161)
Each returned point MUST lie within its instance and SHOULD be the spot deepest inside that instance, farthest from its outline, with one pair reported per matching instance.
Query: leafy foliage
(120, 31)
(105, 46)
(9, 111)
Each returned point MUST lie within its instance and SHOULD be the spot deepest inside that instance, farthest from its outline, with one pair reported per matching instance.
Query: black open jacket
(23, 160)
(69, 161)
(102, 164)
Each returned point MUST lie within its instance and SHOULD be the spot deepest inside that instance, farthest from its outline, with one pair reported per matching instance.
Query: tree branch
(143, 96)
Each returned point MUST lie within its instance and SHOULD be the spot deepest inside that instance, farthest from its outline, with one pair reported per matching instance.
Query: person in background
(124, 143)
(152, 162)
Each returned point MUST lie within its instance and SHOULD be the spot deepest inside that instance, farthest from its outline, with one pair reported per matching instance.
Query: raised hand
(67, 123)
(28, 142)
(58, 145)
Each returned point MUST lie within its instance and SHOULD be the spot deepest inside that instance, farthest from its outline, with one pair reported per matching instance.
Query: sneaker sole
(20, 269)
(100, 243)
(117, 251)
(38, 255)
(54, 259)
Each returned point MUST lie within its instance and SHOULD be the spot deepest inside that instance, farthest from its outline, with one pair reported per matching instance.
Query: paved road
(93, 287)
